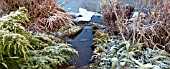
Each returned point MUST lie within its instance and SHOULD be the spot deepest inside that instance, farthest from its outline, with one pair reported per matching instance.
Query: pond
(82, 43)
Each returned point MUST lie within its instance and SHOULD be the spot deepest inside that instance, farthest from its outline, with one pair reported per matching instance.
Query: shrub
(13, 41)
(50, 57)
(45, 16)
(21, 49)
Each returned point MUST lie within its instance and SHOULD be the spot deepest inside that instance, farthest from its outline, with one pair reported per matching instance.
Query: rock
(98, 26)
(70, 32)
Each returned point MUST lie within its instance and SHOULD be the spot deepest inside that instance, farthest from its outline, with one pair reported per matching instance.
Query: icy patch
(136, 14)
(86, 15)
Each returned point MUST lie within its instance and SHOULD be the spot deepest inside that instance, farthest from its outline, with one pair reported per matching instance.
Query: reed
(152, 29)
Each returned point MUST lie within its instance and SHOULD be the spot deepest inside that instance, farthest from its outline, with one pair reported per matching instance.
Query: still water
(82, 43)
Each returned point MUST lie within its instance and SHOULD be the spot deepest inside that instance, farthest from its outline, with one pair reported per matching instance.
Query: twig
(118, 24)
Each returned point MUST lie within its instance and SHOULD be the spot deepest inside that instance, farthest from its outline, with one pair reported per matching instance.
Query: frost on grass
(22, 49)
(116, 54)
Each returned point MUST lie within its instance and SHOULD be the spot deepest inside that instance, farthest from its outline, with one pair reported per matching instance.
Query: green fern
(50, 57)
(13, 38)
(48, 52)
(39, 40)
(14, 22)
(20, 49)
(13, 45)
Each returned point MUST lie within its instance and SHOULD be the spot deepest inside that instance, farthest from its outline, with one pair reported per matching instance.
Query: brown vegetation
(45, 16)
(152, 29)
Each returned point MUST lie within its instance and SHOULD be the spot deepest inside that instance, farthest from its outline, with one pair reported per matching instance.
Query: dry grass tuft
(115, 12)
(46, 17)
(152, 29)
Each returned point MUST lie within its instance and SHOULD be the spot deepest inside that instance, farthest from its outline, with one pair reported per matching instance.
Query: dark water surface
(82, 43)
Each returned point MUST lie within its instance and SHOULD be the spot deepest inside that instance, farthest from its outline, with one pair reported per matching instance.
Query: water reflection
(82, 43)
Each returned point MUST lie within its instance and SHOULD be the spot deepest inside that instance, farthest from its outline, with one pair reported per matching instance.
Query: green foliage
(48, 53)
(20, 49)
(39, 41)
(13, 38)
(50, 57)
(13, 45)
(14, 21)
(117, 54)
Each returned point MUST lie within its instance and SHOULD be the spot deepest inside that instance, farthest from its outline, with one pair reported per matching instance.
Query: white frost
(86, 15)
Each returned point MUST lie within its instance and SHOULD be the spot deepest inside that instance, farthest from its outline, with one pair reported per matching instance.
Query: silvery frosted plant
(119, 54)
(48, 52)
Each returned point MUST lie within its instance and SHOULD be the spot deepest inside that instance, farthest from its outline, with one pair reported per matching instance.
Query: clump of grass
(114, 12)
(152, 28)
(45, 16)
